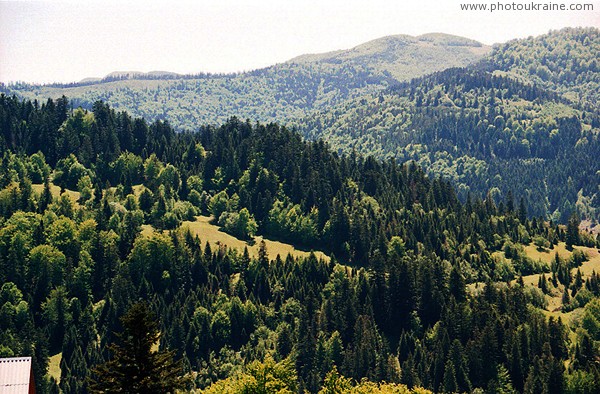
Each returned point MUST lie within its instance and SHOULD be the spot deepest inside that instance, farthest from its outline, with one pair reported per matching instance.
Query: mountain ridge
(438, 40)
(390, 49)
(287, 90)
(433, 38)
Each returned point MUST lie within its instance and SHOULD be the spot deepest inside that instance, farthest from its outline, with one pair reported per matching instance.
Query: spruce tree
(134, 367)
(572, 231)
(45, 198)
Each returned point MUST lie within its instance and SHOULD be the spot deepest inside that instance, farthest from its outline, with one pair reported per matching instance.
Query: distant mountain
(279, 93)
(142, 75)
(495, 128)
(120, 75)
(566, 61)
(405, 57)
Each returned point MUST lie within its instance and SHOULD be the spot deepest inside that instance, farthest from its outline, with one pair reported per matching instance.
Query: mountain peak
(404, 56)
(449, 40)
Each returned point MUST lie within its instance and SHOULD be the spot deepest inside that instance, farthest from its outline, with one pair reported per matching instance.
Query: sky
(66, 41)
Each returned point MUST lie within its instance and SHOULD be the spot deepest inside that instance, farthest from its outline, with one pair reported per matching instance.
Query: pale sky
(66, 41)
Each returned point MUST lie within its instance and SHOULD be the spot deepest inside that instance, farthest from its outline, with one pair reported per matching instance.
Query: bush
(170, 221)
(581, 299)
(69, 171)
(195, 198)
(219, 203)
(185, 210)
(194, 183)
(541, 243)
(537, 297)
(577, 258)
(241, 225)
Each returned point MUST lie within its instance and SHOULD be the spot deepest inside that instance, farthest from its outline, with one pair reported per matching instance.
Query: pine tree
(450, 385)
(572, 231)
(566, 298)
(284, 341)
(510, 202)
(134, 366)
(543, 284)
(502, 384)
(578, 283)
(45, 197)
(522, 211)
(97, 193)
(457, 284)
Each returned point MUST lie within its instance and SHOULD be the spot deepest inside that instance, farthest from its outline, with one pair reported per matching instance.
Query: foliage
(260, 378)
(69, 172)
(564, 60)
(523, 121)
(134, 367)
(391, 305)
(487, 133)
(242, 224)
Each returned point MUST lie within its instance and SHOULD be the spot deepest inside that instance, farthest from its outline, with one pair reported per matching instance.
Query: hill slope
(565, 61)
(493, 128)
(484, 133)
(397, 311)
(278, 93)
(510, 112)
(405, 57)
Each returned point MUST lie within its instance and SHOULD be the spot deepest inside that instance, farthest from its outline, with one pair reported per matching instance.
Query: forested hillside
(279, 93)
(487, 133)
(565, 61)
(523, 121)
(392, 304)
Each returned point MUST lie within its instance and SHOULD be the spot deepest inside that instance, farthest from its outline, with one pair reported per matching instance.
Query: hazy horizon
(67, 41)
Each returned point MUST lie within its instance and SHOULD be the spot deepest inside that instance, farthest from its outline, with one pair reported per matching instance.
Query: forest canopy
(421, 291)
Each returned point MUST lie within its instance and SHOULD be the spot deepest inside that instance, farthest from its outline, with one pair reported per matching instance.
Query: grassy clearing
(593, 263)
(555, 298)
(212, 233)
(589, 226)
(546, 256)
(55, 190)
(54, 366)
(566, 317)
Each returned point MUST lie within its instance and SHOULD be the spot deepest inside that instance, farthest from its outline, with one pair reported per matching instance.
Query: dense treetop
(485, 133)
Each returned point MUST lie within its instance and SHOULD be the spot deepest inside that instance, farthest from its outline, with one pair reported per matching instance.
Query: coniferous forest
(421, 291)
(519, 117)
(524, 120)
